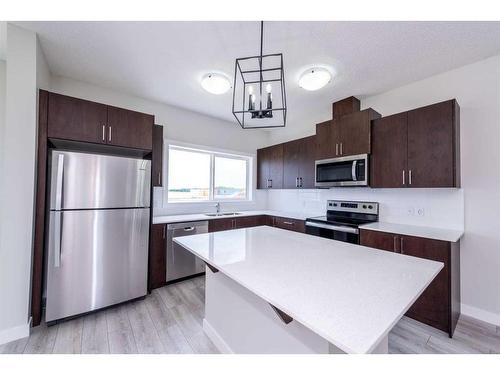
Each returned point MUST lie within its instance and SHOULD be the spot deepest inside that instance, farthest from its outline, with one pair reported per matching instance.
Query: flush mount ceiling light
(314, 78)
(259, 99)
(215, 83)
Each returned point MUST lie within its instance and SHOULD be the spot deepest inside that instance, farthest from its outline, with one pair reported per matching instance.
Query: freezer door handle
(57, 238)
(59, 181)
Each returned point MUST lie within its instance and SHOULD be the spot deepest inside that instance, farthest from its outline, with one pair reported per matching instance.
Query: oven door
(333, 232)
(344, 171)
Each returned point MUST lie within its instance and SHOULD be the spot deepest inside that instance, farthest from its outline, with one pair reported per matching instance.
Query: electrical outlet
(410, 211)
(421, 212)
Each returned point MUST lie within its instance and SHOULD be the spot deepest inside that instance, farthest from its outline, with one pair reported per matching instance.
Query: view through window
(199, 175)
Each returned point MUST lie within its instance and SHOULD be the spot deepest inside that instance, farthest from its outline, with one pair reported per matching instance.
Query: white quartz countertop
(348, 294)
(417, 231)
(195, 217)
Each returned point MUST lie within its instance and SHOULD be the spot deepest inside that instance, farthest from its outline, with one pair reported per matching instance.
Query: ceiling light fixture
(256, 78)
(314, 78)
(215, 83)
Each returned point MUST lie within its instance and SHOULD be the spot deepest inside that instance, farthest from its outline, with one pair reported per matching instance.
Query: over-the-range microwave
(343, 171)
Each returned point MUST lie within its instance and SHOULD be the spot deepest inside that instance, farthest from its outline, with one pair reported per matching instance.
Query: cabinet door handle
(300, 179)
(336, 149)
(164, 231)
(288, 223)
(409, 176)
(271, 183)
(404, 180)
(394, 244)
(341, 149)
(296, 182)
(401, 250)
(109, 135)
(104, 133)
(159, 178)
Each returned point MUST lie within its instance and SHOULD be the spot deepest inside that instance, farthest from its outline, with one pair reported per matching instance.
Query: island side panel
(239, 322)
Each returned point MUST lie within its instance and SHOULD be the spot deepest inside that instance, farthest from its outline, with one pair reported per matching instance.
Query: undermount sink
(224, 214)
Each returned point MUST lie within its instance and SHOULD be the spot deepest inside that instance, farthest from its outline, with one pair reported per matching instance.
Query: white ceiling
(164, 61)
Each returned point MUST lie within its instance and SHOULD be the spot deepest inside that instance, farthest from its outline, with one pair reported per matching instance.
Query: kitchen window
(197, 175)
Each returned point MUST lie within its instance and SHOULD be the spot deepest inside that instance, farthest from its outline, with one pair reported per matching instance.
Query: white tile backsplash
(442, 208)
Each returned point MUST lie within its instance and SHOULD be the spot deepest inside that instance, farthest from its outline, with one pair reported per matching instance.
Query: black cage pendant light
(259, 98)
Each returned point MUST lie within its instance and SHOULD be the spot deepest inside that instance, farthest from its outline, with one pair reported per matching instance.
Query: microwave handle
(353, 171)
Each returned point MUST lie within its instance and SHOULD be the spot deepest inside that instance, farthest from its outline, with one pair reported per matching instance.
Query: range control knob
(370, 206)
(364, 206)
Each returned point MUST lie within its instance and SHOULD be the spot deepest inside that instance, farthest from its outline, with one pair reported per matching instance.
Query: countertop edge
(441, 234)
(168, 219)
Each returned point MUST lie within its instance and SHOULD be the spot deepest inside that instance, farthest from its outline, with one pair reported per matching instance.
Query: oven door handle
(333, 227)
(353, 171)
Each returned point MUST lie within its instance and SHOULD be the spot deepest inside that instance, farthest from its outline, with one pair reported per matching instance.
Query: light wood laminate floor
(169, 320)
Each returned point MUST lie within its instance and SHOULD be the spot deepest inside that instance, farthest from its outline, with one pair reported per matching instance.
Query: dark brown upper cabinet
(345, 106)
(76, 119)
(419, 148)
(298, 163)
(345, 135)
(389, 162)
(85, 121)
(270, 167)
(129, 128)
(157, 156)
(355, 132)
(433, 146)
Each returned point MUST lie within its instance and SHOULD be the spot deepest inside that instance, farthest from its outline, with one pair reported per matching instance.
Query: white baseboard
(216, 339)
(485, 316)
(15, 333)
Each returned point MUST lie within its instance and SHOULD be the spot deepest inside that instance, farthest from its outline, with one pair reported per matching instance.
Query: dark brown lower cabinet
(290, 224)
(157, 259)
(439, 304)
(217, 225)
(249, 221)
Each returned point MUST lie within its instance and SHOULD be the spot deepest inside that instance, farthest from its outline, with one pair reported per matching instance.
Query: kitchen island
(269, 290)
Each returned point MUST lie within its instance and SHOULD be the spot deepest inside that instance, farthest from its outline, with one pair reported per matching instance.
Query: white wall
(2, 110)
(477, 89)
(17, 188)
(441, 207)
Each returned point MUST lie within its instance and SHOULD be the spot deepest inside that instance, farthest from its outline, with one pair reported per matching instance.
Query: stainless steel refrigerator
(98, 232)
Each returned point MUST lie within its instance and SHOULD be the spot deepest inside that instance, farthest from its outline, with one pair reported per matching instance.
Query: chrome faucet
(217, 207)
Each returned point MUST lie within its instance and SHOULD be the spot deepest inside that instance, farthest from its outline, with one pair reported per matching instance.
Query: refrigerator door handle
(59, 181)
(57, 238)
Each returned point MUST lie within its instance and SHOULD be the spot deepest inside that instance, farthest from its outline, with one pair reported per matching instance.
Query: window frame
(213, 152)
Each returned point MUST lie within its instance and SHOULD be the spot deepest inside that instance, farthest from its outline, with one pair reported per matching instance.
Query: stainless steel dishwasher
(180, 262)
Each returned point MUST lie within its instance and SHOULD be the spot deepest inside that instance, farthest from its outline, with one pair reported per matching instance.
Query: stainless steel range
(342, 220)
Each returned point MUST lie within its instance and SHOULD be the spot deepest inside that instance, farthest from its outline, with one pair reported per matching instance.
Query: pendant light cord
(260, 61)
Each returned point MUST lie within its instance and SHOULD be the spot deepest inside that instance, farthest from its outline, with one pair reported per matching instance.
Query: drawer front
(248, 221)
(290, 224)
(217, 225)
(379, 240)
